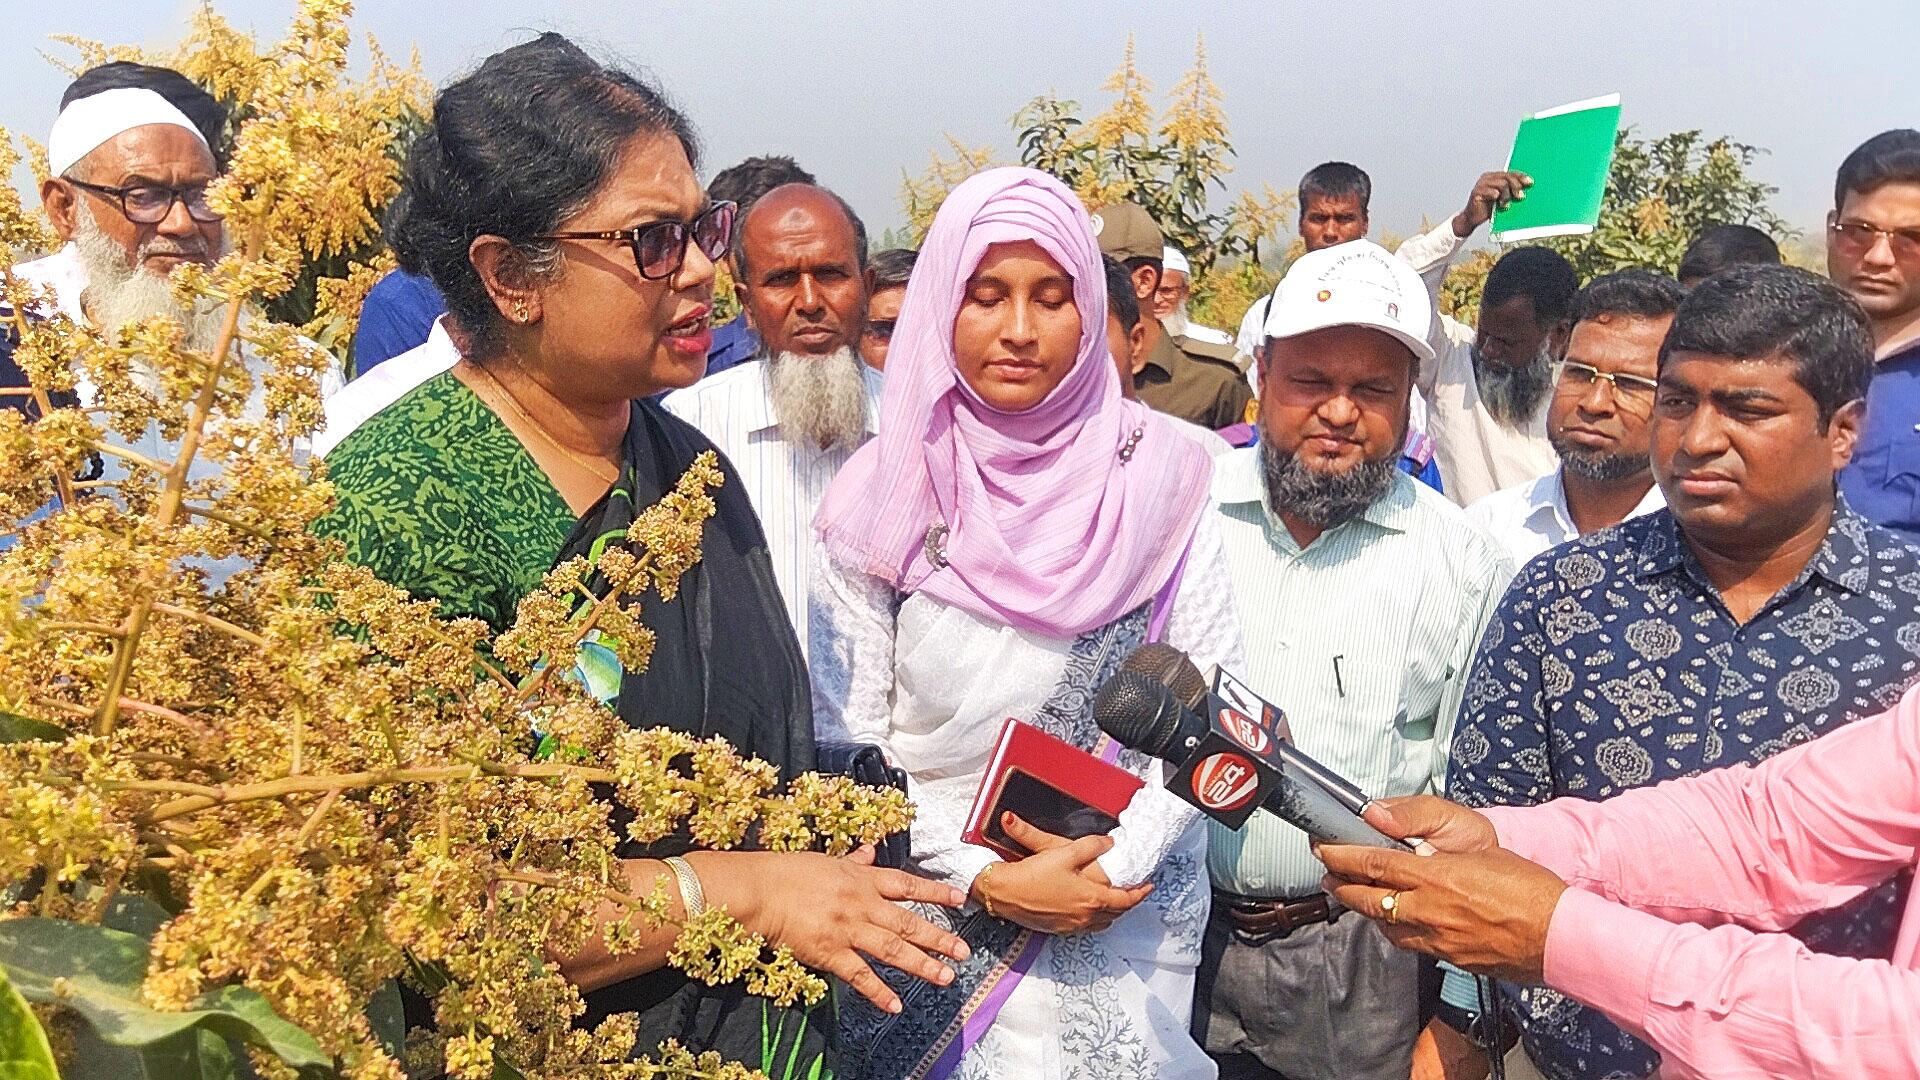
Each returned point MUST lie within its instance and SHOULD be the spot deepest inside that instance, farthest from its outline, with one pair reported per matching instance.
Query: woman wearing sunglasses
(553, 201)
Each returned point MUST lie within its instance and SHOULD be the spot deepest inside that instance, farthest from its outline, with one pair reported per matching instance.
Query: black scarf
(725, 662)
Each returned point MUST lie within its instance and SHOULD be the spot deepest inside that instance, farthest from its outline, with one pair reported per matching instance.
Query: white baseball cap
(1358, 283)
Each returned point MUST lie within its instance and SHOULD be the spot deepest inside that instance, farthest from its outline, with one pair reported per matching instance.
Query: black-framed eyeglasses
(1856, 238)
(1577, 376)
(660, 247)
(149, 204)
(881, 329)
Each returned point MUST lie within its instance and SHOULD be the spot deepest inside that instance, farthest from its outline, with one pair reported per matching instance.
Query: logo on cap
(1393, 311)
(1325, 295)
(1225, 782)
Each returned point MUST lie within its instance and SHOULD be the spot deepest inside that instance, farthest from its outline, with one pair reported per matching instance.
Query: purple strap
(977, 1019)
(978, 1016)
(1163, 600)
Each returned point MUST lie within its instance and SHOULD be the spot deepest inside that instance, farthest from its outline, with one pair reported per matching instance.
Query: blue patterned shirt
(1613, 664)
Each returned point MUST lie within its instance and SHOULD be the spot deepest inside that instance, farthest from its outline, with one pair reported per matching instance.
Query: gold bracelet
(692, 897)
(980, 883)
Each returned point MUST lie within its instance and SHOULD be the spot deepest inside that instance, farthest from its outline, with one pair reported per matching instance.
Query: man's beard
(1513, 394)
(819, 399)
(1322, 500)
(1600, 466)
(120, 294)
(1175, 321)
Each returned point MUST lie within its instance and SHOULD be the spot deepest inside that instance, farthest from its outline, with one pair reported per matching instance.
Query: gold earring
(520, 312)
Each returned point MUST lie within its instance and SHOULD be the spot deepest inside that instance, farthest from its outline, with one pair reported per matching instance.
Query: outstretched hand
(834, 913)
(1491, 192)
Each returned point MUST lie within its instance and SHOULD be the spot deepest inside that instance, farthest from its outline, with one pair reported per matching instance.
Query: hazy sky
(1423, 96)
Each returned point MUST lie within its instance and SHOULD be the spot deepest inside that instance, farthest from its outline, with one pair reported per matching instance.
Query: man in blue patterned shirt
(1754, 613)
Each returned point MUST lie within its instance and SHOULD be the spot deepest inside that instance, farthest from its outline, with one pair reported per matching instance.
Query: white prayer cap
(93, 120)
(1172, 259)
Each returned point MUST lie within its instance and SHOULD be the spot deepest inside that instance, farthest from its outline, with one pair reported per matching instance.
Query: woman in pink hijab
(1013, 533)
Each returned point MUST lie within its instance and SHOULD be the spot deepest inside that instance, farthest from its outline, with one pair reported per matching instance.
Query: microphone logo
(1225, 782)
(1241, 728)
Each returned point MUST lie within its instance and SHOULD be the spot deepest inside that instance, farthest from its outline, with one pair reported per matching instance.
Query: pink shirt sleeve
(1759, 847)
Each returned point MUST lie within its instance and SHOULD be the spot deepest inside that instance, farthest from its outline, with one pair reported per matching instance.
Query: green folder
(1567, 151)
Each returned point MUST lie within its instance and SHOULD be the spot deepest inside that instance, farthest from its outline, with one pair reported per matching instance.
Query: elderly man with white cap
(1361, 595)
(130, 157)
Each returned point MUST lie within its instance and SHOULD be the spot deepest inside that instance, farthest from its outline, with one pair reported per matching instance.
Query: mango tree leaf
(194, 1054)
(24, 1051)
(103, 970)
(388, 1016)
(26, 729)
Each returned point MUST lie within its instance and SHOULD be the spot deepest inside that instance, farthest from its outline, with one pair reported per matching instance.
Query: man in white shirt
(1488, 386)
(1361, 595)
(1597, 421)
(789, 419)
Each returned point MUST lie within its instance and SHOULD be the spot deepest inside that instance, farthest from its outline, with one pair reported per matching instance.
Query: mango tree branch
(172, 494)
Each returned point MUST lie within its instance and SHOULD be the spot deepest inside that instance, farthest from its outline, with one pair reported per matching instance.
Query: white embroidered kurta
(932, 685)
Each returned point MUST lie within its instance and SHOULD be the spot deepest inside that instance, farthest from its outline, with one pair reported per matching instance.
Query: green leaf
(388, 1015)
(26, 729)
(24, 1051)
(103, 970)
(196, 1053)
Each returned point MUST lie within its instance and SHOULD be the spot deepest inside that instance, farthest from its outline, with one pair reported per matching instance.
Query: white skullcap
(1358, 283)
(1171, 259)
(87, 123)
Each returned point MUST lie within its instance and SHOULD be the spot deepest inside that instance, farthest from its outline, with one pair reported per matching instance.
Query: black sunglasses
(660, 247)
(149, 204)
(880, 329)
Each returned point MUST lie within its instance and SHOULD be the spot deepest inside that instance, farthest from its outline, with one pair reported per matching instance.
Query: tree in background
(1660, 194)
(1174, 164)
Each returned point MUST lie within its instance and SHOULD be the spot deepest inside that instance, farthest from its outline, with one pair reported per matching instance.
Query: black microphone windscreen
(1137, 711)
(1172, 669)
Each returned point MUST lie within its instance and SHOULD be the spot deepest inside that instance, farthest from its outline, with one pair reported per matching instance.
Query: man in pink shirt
(1662, 907)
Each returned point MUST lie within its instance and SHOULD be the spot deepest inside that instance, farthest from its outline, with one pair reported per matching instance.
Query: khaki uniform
(1197, 381)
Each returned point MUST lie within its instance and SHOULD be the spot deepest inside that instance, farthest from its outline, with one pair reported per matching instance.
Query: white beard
(1175, 322)
(819, 399)
(120, 294)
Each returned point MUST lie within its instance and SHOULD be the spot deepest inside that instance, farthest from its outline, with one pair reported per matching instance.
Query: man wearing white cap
(130, 158)
(1361, 595)
(1170, 301)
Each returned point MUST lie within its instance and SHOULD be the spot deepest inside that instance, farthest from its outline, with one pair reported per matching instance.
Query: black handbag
(867, 765)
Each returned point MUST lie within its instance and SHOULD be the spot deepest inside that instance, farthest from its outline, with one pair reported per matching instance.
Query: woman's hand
(1059, 889)
(835, 912)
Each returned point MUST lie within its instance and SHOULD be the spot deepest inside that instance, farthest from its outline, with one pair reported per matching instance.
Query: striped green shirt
(1364, 638)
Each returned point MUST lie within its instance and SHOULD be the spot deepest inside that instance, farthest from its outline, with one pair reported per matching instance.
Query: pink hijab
(1052, 525)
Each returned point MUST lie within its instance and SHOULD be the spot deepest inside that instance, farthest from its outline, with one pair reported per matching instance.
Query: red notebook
(1052, 785)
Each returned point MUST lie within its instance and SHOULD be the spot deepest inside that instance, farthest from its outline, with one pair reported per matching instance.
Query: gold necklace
(594, 468)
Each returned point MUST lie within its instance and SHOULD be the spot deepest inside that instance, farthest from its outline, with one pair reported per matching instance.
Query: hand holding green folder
(1567, 151)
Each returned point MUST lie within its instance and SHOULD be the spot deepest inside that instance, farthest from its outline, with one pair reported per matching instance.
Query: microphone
(1227, 764)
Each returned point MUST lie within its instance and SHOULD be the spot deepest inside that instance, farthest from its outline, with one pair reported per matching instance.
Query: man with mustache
(1361, 594)
(789, 419)
(1597, 421)
(131, 157)
(1488, 386)
(1754, 612)
(1873, 252)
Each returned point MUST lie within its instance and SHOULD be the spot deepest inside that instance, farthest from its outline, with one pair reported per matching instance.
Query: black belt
(1256, 920)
